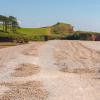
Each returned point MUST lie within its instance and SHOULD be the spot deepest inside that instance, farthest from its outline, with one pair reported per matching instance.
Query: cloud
(19, 22)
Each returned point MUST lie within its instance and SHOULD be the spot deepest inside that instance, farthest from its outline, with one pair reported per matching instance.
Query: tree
(9, 23)
(5, 22)
(13, 23)
(6, 19)
(2, 20)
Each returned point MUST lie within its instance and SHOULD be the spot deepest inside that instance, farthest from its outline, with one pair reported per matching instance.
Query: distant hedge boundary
(25, 38)
(6, 39)
(13, 37)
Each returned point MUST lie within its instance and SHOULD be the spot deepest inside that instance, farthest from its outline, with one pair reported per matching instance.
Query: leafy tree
(9, 23)
(2, 20)
(13, 23)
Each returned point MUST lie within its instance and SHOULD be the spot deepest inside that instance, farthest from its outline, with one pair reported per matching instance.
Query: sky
(82, 14)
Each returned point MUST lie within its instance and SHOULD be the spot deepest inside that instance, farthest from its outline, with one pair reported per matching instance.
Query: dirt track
(58, 70)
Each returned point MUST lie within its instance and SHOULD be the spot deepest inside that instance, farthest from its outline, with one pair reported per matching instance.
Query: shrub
(20, 38)
(14, 37)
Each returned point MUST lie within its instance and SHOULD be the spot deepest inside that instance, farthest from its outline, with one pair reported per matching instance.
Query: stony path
(68, 86)
(67, 70)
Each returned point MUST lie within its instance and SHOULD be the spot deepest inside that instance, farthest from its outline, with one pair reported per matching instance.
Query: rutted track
(70, 86)
(68, 70)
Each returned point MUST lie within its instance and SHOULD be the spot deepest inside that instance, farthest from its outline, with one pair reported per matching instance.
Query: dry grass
(77, 70)
(26, 91)
(26, 70)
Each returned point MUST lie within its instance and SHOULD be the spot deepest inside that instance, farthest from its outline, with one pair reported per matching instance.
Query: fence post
(45, 38)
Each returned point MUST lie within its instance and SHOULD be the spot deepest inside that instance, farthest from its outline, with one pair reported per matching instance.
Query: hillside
(30, 33)
(58, 28)
(34, 31)
(1, 27)
(62, 28)
(55, 31)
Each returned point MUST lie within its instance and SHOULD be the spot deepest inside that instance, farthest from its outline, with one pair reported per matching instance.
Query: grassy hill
(1, 27)
(62, 28)
(59, 28)
(56, 31)
(34, 33)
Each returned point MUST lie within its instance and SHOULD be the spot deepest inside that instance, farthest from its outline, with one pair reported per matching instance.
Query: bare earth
(53, 70)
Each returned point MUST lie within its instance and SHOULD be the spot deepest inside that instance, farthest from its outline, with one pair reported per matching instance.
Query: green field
(1, 27)
(34, 31)
(32, 34)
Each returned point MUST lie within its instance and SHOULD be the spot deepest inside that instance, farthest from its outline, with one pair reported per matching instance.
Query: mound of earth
(24, 70)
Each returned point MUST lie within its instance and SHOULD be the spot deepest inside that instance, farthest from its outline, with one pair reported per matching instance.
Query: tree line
(9, 23)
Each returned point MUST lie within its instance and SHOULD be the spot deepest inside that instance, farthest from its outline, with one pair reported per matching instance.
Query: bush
(20, 39)
(73, 37)
(14, 37)
(36, 37)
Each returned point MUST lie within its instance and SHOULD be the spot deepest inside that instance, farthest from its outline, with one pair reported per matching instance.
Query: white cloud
(19, 22)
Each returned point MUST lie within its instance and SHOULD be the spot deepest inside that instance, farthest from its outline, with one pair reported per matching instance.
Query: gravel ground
(25, 70)
(82, 84)
(55, 70)
(77, 58)
(25, 91)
